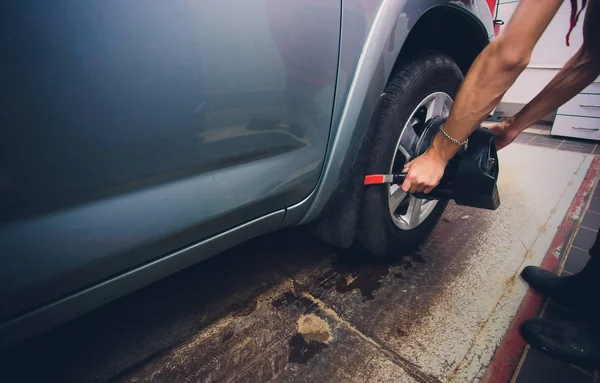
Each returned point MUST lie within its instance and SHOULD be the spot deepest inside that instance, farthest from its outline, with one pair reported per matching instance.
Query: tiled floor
(539, 135)
(560, 143)
(536, 366)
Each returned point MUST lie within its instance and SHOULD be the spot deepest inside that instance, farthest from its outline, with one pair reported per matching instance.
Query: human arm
(581, 69)
(490, 76)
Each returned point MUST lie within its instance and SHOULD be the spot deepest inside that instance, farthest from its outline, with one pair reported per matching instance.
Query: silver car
(141, 137)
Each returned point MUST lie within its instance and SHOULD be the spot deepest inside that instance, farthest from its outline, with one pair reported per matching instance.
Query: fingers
(414, 188)
(417, 187)
(422, 174)
(406, 185)
(413, 183)
(423, 187)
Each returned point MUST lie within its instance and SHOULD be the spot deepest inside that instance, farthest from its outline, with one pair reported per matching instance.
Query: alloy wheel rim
(407, 211)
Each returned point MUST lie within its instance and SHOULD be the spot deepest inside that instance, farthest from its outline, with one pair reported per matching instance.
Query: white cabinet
(577, 126)
(593, 88)
(585, 105)
(580, 116)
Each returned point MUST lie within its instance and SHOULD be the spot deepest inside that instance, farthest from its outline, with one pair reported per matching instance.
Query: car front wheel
(393, 222)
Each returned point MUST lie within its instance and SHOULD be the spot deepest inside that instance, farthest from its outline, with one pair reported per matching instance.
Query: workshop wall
(547, 58)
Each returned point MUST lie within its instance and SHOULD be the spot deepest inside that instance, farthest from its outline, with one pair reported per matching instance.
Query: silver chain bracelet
(464, 143)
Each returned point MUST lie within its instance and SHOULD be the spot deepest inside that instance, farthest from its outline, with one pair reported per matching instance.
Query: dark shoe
(565, 291)
(547, 283)
(573, 342)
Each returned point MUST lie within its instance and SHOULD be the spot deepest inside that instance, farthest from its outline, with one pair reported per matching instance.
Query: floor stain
(287, 298)
(351, 271)
(401, 332)
(350, 279)
(298, 288)
(313, 328)
(511, 282)
(417, 258)
(301, 350)
(355, 272)
(244, 309)
(529, 254)
(228, 335)
(366, 281)
(293, 297)
(408, 290)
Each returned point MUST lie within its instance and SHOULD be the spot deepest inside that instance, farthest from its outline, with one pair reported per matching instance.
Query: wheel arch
(449, 29)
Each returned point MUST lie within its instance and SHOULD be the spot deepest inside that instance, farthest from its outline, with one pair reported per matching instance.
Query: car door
(131, 129)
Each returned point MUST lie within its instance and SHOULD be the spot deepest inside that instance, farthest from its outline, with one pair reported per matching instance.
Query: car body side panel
(132, 129)
(362, 79)
(47, 316)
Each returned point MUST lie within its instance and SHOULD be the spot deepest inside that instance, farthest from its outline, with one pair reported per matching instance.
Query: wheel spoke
(404, 152)
(408, 139)
(438, 106)
(414, 211)
(397, 195)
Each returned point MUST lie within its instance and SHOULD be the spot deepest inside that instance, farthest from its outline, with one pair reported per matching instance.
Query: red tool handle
(380, 179)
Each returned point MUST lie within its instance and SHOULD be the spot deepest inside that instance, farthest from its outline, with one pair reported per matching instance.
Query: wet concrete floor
(288, 308)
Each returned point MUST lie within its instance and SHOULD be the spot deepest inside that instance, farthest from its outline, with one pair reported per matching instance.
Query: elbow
(515, 61)
(510, 57)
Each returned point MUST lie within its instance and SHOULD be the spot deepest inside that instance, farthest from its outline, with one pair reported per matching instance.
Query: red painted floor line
(507, 356)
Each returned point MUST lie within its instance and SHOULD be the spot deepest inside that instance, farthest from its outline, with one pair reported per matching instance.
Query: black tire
(407, 87)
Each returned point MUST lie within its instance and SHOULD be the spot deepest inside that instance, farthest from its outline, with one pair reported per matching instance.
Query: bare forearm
(577, 73)
(488, 79)
(494, 71)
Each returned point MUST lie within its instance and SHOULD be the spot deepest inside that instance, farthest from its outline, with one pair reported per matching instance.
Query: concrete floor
(285, 307)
